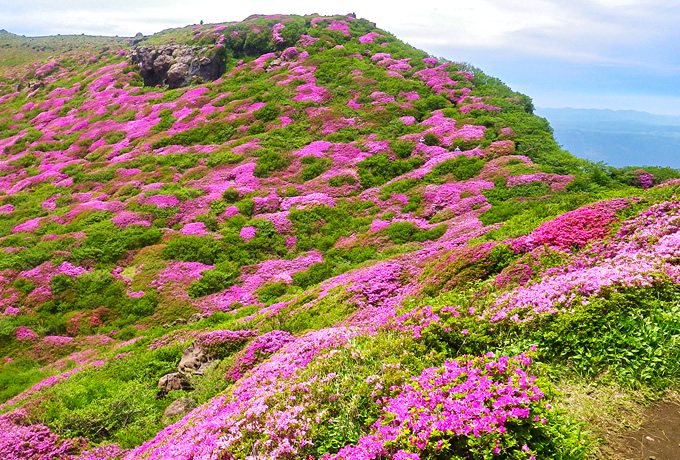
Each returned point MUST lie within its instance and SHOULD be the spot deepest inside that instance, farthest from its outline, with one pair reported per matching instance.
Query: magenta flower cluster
(474, 397)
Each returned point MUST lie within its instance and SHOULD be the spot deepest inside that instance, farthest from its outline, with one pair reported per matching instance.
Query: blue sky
(615, 54)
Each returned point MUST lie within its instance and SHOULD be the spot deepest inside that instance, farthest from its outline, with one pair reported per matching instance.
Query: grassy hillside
(341, 248)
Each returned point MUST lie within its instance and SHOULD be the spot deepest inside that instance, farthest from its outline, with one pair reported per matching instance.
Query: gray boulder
(180, 406)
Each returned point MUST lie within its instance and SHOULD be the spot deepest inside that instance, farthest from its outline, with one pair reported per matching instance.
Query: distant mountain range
(617, 137)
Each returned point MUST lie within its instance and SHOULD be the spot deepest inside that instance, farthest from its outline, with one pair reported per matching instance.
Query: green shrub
(314, 167)
(209, 133)
(231, 195)
(223, 276)
(339, 181)
(269, 162)
(378, 169)
(402, 149)
(189, 248)
(267, 113)
(246, 206)
(430, 139)
(223, 158)
(405, 232)
(460, 168)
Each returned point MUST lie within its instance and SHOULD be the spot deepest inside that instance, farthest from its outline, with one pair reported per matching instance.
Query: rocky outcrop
(194, 360)
(177, 65)
(180, 406)
(172, 382)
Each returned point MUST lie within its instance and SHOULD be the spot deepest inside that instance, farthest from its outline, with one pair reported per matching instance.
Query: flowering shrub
(482, 406)
(257, 351)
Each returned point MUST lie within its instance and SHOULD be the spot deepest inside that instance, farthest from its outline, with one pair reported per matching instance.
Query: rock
(178, 75)
(180, 406)
(196, 317)
(194, 360)
(137, 38)
(173, 381)
(177, 65)
(162, 63)
(179, 321)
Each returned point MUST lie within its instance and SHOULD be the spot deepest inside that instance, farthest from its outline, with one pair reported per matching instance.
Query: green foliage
(223, 158)
(209, 133)
(378, 169)
(339, 181)
(116, 402)
(430, 139)
(320, 227)
(400, 186)
(405, 232)
(223, 276)
(113, 137)
(26, 161)
(402, 149)
(246, 206)
(190, 248)
(167, 120)
(336, 261)
(314, 167)
(632, 334)
(269, 292)
(231, 195)
(267, 113)
(107, 243)
(460, 168)
(269, 162)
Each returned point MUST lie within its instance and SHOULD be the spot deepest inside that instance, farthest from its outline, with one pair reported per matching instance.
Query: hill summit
(299, 237)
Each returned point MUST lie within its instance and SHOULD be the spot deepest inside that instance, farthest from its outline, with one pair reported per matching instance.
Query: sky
(602, 54)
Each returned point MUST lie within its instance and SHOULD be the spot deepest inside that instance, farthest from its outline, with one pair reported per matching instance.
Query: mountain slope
(335, 249)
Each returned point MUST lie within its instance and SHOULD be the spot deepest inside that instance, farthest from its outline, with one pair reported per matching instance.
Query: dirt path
(659, 436)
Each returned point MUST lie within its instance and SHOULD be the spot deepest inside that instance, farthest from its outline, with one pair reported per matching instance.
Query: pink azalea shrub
(465, 402)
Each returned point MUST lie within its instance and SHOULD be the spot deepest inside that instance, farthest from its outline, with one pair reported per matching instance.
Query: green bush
(231, 195)
(189, 248)
(314, 167)
(223, 158)
(402, 149)
(430, 139)
(209, 133)
(378, 169)
(269, 162)
(460, 168)
(223, 276)
(405, 232)
(339, 181)
(267, 113)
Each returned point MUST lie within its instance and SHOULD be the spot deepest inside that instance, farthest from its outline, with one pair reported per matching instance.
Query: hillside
(299, 237)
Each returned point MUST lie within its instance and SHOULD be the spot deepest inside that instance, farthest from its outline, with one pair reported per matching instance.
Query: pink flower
(248, 233)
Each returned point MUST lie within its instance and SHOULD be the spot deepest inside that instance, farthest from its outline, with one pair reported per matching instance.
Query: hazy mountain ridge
(340, 248)
(618, 138)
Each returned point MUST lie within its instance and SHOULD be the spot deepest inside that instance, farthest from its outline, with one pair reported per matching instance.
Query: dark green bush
(209, 133)
(339, 181)
(223, 276)
(405, 232)
(460, 168)
(402, 149)
(430, 139)
(378, 169)
(270, 162)
(189, 248)
(314, 167)
(231, 195)
(267, 113)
